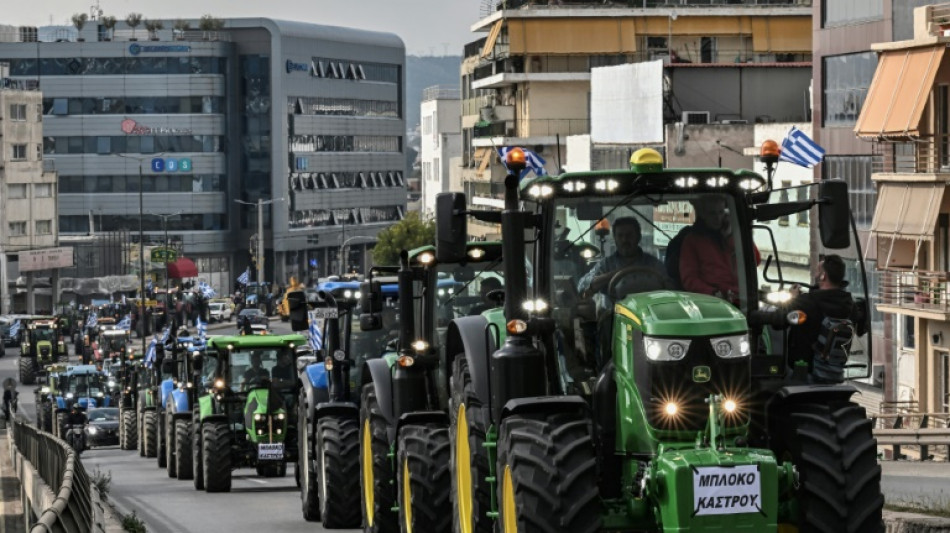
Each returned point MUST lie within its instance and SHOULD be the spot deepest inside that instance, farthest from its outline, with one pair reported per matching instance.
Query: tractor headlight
(111, 384)
(69, 395)
(665, 349)
(258, 417)
(278, 431)
(44, 390)
(219, 383)
(671, 409)
(731, 347)
(730, 406)
(280, 416)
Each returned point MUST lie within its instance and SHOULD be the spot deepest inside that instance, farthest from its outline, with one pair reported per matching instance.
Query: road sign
(31, 260)
(164, 255)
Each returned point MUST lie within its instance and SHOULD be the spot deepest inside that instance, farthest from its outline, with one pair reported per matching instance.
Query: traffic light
(297, 308)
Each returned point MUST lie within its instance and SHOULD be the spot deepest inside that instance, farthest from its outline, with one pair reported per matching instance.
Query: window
(42, 190)
(846, 79)
(862, 195)
(844, 12)
(17, 229)
(44, 227)
(18, 112)
(782, 198)
(907, 331)
(19, 152)
(16, 191)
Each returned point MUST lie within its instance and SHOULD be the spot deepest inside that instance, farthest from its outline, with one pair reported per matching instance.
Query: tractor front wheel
(150, 433)
(183, 453)
(376, 469)
(547, 474)
(338, 459)
(832, 447)
(423, 478)
(27, 371)
(169, 446)
(129, 433)
(471, 493)
(216, 456)
(309, 501)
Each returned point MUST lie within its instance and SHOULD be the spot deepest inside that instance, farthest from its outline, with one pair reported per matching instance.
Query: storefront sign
(171, 164)
(136, 49)
(131, 127)
(45, 259)
(298, 67)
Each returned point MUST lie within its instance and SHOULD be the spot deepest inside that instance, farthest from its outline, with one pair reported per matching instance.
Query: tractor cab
(114, 345)
(85, 385)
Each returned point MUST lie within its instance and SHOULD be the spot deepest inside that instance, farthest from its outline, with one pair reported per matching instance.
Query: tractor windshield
(44, 334)
(85, 384)
(116, 343)
(252, 367)
(466, 291)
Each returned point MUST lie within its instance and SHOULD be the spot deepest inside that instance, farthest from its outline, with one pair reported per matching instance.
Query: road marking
(255, 480)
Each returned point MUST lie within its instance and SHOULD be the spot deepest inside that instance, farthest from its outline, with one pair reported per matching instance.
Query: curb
(904, 522)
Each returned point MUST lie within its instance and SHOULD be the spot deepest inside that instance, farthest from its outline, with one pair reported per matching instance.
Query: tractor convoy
(535, 384)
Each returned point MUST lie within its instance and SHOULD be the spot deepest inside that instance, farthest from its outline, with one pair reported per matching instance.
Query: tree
(133, 20)
(79, 20)
(153, 26)
(108, 22)
(181, 26)
(407, 234)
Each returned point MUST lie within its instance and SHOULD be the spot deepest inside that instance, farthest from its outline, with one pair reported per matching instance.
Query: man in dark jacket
(829, 300)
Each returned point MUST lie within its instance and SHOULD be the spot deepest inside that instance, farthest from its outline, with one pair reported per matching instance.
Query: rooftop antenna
(95, 11)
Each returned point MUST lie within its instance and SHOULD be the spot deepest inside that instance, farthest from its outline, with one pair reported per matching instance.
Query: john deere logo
(701, 374)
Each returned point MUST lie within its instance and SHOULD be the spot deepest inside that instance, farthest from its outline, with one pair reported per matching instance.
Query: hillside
(426, 71)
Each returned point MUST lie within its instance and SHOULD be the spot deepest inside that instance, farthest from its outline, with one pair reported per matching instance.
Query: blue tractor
(174, 418)
(85, 385)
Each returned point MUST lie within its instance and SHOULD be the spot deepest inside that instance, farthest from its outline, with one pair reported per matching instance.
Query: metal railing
(441, 92)
(540, 127)
(939, 18)
(60, 468)
(928, 155)
(900, 425)
(915, 289)
(516, 4)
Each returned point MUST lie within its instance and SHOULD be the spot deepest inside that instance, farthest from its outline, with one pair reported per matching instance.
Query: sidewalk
(11, 508)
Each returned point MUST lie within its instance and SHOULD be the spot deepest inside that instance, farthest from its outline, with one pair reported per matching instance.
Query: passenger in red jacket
(708, 256)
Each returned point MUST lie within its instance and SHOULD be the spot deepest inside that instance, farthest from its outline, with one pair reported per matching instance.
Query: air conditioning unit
(695, 117)
(735, 122)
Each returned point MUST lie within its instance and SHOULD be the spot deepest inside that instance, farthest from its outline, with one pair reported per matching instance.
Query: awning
(907, 210)
(899, 92)
(492, 38)
(182, 268)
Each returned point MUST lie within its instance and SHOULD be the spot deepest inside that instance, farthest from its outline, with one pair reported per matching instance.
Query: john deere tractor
(42, 345)
(636, 405)
(404, 408)
(244, 415)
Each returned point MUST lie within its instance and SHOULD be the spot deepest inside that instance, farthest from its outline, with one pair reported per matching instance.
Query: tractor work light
(671, 409)
(426, 258)
(44, 390)
(328, 363)
(111, 384)
(778, 297)
(258, 417)
(588, 252)
(796, 318)
(219, 383)
(420, 345)
(540, 191)
(280, 416)
(260, 431)
(686, 182)
(476, 253)
(279, 431)
(574, 186)
(665, 349)
(730, 406)
(69, 395)
(535, 306)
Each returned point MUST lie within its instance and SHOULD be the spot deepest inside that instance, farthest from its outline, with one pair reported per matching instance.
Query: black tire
(338, 471)
(424, 453)
(169, 445)
(129, 430)
(183, 453)
(197, 465)
(27, 371)
(161, 445)
(150, 433)
(475, 424)
(140, 431)
(376, 481)
(551, 465)
(60, 426)
(309, 500)
(216, 456)
(47, 410)
(835, 453)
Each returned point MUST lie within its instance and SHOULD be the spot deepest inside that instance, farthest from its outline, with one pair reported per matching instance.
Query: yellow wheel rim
(463, 472)
(406, 495)
(508, 503)
(367, 454)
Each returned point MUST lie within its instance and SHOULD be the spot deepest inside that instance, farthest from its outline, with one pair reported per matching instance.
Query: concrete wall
(778, 94)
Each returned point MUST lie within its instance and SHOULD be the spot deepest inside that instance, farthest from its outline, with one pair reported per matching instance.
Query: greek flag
(125, 323)
(534, 162)
(165, 335)
(206, 290)
(15, 329)
(149, 286)
(245, 278)
(316, 339)
(91, 320)
(799, 149)
(202, 328)
(150, 353)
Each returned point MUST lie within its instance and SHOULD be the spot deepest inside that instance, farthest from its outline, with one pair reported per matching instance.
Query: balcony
(920, 293)
(527, 131)
(927, 156)
(686, 4)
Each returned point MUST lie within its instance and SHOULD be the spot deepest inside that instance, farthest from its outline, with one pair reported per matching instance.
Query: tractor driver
(283, 372)
(256, 374)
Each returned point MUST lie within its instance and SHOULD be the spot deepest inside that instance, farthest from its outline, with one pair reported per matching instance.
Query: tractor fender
(313, 383)
(469, 335)
(811, 393)
(341, 409)
(181, 415)
(545, 404)
(215, 418)
(178, 402)
(377, 372)
(165, 389)
(418, 417)
(60, 402)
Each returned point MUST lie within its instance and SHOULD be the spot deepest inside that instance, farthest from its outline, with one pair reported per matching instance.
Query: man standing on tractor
(627, 233)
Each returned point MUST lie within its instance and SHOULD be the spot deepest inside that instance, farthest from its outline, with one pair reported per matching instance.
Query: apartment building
(440, 141)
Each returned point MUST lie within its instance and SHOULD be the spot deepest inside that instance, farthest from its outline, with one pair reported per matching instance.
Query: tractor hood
(681, 314)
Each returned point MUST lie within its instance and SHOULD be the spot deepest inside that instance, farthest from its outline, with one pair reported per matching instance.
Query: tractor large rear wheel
(27, 371)
(423, 478)
(338, 471)
(835, 453)
(150, 433)
(216, 456)
(471, 493)
(140, 431)
(376, 470)
(169, 443)
(129, 432)
(183, 453)
(309, 499)
(547, 473)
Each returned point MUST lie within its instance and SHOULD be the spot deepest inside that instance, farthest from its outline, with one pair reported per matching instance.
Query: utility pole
(260, 232)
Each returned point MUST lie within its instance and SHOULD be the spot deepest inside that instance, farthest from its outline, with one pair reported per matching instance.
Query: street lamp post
(343, 257)
(165, 218)
(260, 232)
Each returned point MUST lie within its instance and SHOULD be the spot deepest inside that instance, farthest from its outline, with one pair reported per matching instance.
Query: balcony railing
(929, 155)
(915, 289)
(533, 127)
(939, 19)
(516, 4)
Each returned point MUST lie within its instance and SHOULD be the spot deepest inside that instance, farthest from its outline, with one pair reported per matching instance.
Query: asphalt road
(167, 505)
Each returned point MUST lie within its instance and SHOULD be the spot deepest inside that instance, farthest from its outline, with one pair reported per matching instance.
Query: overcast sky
(428, 27)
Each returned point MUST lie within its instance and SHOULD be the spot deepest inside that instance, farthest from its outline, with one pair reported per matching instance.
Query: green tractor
(404, 406)
(131, 375)
(244, 413)
(42, 345)
(641, 406)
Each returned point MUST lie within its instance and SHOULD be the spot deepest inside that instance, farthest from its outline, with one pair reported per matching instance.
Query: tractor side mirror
(297, 310)
(371, 305)
(834, 214)
(451, 227)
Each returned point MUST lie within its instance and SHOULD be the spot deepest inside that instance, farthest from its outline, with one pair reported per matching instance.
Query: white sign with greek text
(727, 490)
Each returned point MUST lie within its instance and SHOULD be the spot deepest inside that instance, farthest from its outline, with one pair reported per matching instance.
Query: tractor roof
(256, 341)
(82, 370)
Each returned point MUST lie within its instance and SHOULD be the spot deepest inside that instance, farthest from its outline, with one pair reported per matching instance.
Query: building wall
(440, 141)
(754, 94)
(553, 101)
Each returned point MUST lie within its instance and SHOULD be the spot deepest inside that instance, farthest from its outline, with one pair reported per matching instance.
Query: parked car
(103, 427)
(219, 312)
(251, 316)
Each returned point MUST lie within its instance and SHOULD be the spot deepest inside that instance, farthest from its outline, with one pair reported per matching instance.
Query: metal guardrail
(910, 428)
(57, 464)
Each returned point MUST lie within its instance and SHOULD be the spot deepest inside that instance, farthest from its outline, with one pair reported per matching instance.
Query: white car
(219, 312)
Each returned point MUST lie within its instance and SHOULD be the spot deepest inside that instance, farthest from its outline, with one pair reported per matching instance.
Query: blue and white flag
(316, 339)
(151, 353)
(166, 334)
(15, 328)
(245, 278)
(92, 320)
(125, 323)
(202, 328)
(206, 290)
(799, 149)
(533, 162)
(149, 286)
